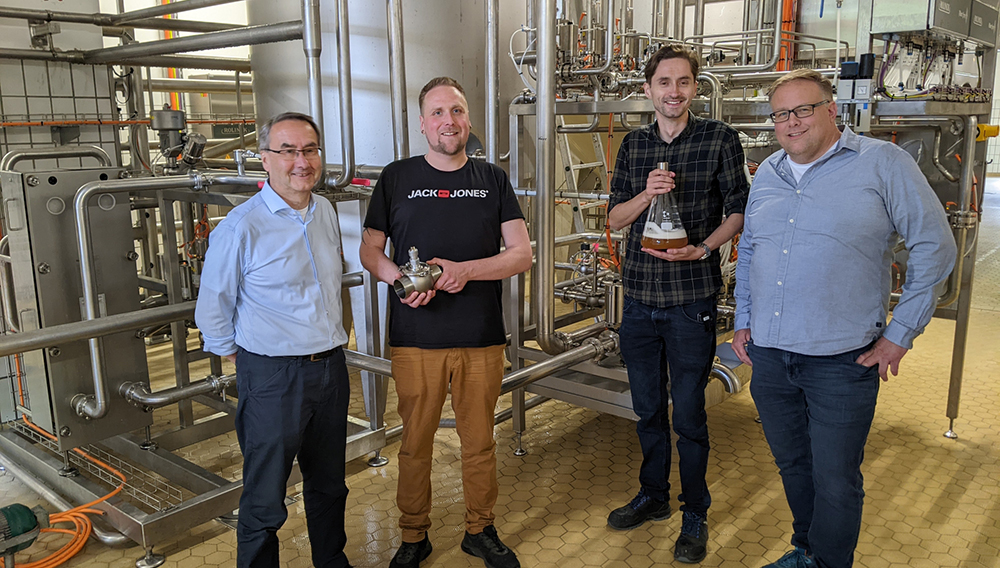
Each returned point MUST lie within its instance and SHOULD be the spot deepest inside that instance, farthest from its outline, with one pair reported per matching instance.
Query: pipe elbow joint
(553, 343)
(727, 376)
(87, 407)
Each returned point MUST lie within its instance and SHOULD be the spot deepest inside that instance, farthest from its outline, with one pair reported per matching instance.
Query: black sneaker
(411, 554)
(638, 511)
(691, 545)
(487, 545)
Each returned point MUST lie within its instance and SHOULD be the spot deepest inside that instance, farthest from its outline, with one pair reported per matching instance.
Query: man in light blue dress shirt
(812, 292)
(270, 302)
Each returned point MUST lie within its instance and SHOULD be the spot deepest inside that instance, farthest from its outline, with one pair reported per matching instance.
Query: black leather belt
(322, 355)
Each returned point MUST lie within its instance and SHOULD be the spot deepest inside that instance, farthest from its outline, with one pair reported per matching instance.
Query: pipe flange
(963, 219)
(80, 402)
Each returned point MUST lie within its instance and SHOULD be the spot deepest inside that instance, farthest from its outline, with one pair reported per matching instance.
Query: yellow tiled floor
(930, 501)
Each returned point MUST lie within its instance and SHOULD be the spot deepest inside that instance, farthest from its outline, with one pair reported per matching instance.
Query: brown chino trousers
(422, 378)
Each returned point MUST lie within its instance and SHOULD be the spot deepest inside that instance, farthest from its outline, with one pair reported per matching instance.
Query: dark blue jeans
(291, 406)
(680, 339)
(816, 413)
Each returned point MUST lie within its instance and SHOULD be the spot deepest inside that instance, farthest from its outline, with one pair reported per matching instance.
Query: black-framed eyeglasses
(289, 154)
(799, 111)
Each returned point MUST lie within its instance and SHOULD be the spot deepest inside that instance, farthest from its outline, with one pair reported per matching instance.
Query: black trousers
(291, 406)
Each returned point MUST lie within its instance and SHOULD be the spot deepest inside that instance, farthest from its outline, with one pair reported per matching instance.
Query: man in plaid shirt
(669, 318)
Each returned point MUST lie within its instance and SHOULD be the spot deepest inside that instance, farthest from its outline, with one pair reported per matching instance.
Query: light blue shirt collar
(274, 201)
(848, 139)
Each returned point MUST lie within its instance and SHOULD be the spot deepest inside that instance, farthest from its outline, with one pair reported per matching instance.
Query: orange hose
(82, 526)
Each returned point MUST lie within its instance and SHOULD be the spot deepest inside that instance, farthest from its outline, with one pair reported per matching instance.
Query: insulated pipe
(965, 208)
(169, 8)
(493, 81)
(312, 46)
(397, 80)
(250, 35)
(14, 156)
(96, 405)
(86, 329)
(545, 157)
(139, 393)
(609, 39)
(346, 102)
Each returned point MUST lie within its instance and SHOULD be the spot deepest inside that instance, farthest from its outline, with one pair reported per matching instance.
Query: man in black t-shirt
(455, 211)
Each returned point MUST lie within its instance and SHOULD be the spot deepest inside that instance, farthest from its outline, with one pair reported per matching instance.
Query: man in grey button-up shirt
(812, 291)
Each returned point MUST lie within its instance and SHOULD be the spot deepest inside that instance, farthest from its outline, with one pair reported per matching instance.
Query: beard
(442, 147)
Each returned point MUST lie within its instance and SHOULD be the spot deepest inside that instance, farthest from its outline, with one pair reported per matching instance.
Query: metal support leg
(67, 470)
(378, 460)
(148, 444)
(150, 560)
(961, 337)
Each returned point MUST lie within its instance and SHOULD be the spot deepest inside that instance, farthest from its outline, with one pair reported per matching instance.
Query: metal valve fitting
(417, 276)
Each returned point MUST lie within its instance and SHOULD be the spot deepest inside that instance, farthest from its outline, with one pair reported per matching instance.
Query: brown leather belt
(320, 356)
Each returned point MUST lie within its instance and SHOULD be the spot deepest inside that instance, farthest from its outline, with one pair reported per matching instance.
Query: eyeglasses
(290, 154)
(799, 111)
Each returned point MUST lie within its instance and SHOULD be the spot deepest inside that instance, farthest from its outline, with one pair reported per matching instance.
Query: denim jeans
(291, 406)
(816, 413)
(668, 353)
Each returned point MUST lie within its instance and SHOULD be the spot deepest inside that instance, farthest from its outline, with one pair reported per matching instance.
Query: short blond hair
(803, 75)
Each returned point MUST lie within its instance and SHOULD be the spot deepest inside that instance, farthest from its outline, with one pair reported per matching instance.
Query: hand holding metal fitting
(417, 276)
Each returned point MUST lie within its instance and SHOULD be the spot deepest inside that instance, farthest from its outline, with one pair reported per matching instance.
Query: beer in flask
(664, 229)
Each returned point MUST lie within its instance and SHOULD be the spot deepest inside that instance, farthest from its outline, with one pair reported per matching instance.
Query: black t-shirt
(451, 215)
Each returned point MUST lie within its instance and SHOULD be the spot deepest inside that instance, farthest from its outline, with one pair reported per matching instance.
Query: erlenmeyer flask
(664, 229)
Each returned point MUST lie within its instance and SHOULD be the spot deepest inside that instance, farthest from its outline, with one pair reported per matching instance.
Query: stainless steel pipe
(86, 329)
(7, 287)
(545, 175)
(167, 85)
(10, 159)
(250, 35)
(397, 81)
(312, 46)
(609, 38)
(108, 20)
(344, 89)
(493, 81)
(139, 393)
(165, 9)
(502, 416)
(228, 147)
(591, 349)
(96, 405)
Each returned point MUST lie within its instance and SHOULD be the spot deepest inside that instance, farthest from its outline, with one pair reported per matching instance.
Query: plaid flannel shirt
(711, 181)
